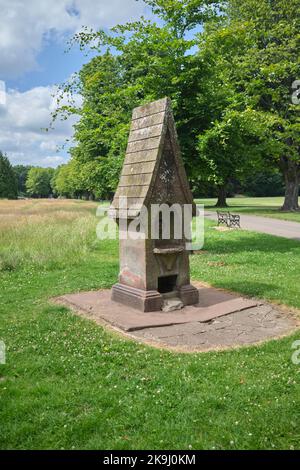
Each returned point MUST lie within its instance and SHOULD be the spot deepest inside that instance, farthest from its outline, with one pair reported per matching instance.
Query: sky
(33, 40)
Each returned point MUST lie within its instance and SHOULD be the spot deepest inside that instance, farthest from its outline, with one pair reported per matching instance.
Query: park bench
(231, 220)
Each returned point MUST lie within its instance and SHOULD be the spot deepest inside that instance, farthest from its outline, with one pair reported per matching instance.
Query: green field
(263, 206)
(71, 384)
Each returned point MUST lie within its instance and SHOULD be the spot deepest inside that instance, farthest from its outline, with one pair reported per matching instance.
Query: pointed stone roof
(149, 127)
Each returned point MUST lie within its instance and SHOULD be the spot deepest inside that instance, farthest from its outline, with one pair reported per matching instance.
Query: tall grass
(45, 233)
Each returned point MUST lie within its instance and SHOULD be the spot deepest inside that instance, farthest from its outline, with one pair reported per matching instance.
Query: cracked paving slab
(237, 329)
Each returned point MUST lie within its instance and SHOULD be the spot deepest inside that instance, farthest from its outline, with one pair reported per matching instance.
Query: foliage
(8, 182)
(38, 183)
(21, 172)
(221, 63)
(62, 182)
(232, 146)
(255, 49)
(267, 183)
(93, 179)
(136, 63)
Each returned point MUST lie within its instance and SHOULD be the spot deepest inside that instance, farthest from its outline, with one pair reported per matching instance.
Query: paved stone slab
(237, 329)
(213, 304)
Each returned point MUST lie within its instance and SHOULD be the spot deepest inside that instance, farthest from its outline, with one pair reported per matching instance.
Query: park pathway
(279, 228)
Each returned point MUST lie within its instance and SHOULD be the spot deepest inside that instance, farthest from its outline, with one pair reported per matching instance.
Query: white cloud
(2, 93)
(22, 121)
(49, 146)
(26, 25)
(53, 161)
(25, 28)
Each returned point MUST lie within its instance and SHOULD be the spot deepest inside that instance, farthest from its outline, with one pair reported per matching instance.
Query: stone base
(145, 301)
(220, 320)
(99, 306)
(189, 295)
(151, 300)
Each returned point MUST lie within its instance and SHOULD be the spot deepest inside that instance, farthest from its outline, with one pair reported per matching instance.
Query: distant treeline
(30, 181)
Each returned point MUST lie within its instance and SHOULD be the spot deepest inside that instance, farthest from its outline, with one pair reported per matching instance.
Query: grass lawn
(263, 206)
(68, 383)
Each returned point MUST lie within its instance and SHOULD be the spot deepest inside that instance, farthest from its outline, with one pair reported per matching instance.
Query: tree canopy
(8, 181)
(21, 172)
(259, 44)
(38, 183)
(228, 67)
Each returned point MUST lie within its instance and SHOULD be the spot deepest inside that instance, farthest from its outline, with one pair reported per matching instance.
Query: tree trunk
(221, 197)
(291, 172)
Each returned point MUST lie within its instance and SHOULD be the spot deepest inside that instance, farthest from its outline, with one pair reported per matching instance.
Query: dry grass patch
(45, 233)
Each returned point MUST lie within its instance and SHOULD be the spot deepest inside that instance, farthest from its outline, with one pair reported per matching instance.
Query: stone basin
(168, 250)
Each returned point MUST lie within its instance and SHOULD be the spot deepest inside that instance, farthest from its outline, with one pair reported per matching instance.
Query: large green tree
(136, 63)
(38, 183)
(240, 66)
(62, 183)
(8, 181)
(257, 46)
(234, 146)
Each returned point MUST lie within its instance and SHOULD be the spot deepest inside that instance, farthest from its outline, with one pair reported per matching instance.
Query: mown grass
(263, 206)
(255, 264)
(69, 383)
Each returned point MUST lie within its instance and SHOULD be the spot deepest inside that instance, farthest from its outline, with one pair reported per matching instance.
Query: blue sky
(54, 65)
(33, 39)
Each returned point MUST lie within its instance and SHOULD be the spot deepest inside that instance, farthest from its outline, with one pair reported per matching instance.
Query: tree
(21, 173)
(241, 63)
(234, 146)
(265, 183)
(241, 48)
(150, 61)
(68, 181)
(61, 183)
(263, 74)
(8, 181)
(38, 183)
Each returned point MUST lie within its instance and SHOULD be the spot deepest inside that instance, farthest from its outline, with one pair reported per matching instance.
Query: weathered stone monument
(154, 271)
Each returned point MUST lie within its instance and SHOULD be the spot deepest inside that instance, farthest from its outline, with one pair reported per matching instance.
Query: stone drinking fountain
(150, 209)
(154, 271)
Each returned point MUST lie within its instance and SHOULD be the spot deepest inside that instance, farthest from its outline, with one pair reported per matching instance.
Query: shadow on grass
(239, 241)
(255, 264)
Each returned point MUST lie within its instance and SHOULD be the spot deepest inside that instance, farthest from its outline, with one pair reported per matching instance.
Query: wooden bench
(231, 220)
